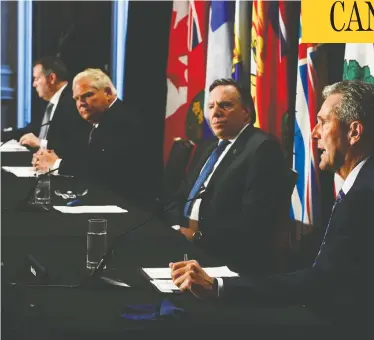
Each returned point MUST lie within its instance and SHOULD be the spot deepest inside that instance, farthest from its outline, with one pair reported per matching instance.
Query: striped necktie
(45, 123)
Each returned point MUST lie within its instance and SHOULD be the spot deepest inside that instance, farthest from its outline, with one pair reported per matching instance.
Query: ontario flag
(269, 59)
(185, 73)
(311, 77)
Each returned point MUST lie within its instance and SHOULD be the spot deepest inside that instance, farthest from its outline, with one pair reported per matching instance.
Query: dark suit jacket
(242, 202)
(338, 284)
(116, 157)
(67, 132)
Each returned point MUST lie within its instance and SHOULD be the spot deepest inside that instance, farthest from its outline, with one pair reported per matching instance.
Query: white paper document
(84, 209)
(165, 273)
(165, 286)
(21, 171)
(12, 146)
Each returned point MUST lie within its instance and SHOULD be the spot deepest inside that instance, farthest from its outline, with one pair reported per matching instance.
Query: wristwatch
(196, 237)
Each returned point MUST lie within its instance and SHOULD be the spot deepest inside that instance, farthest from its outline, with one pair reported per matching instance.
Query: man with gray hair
(114, 156)
(337, 284)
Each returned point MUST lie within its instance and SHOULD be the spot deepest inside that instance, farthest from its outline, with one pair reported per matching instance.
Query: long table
(58, 241)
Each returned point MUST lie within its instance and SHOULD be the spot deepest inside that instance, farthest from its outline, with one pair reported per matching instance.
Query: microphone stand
(92, 277)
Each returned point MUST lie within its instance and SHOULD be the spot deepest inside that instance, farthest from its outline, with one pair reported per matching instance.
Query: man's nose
(315, 133)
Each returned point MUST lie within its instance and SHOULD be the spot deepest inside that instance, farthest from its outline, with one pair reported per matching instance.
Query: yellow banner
(331, 21)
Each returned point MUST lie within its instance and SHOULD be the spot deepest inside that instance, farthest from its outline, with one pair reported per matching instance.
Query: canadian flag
(186, 73)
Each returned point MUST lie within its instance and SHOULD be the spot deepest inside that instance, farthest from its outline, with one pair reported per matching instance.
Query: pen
(73, 203)
(185, 258)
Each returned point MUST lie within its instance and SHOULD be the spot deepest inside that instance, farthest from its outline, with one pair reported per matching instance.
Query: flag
(220, 47)
(311, 77)
(242, 44)
(197, 50)
(358, 64)
(186, 72)
(269, 58)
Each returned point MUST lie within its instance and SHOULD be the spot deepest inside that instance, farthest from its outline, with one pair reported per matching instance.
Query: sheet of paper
(164, 273)
(21, 171)
(84, 209)
(165, 286)
(12, 146)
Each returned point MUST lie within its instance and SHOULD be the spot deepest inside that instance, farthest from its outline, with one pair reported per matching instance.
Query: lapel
(60, 103)
(234, 152)
(106, 121)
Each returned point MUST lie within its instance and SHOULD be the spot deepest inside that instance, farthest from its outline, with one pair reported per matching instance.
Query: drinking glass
(96, 241)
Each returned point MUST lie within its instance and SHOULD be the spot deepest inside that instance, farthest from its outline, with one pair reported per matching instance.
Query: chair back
(175, 168)
(284, 227)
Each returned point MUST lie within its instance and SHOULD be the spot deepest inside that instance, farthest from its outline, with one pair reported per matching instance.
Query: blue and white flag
(220, 47)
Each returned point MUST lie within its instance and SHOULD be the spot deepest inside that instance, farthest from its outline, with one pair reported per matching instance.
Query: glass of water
(96, 241)
(42, 193)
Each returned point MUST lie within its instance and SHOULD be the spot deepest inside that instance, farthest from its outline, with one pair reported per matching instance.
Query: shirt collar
(112, 103)
(232, 141)
(56, 97)
(351, 178)
(96, 125)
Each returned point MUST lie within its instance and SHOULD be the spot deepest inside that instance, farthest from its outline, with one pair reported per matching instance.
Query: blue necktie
(339, 198)
(204, 174)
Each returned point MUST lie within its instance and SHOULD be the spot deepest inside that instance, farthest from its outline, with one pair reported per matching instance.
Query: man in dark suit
(338, 282)
(235, 220)
(60, 127)
(114, 155)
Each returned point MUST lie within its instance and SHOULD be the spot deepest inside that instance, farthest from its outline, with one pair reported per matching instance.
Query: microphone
(109, 253)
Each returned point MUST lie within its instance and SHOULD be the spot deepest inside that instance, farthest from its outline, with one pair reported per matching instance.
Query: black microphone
(107, 256)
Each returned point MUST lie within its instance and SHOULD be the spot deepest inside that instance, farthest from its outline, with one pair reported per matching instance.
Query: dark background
(80, 33)
(87, 44)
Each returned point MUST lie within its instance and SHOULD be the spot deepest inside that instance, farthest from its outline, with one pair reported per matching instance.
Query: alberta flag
(358, 64)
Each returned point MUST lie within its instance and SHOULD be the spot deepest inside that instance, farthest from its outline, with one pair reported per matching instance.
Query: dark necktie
(339, 198)
(92, 132)
(204, 174)
(46, 119)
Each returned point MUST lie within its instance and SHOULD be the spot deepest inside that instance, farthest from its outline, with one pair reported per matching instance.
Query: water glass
(96, 241)
(42, 193)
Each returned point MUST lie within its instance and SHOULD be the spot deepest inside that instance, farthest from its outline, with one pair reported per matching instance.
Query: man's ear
(356, 129)
(247, 115)
(52, 78)
(108, 91)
